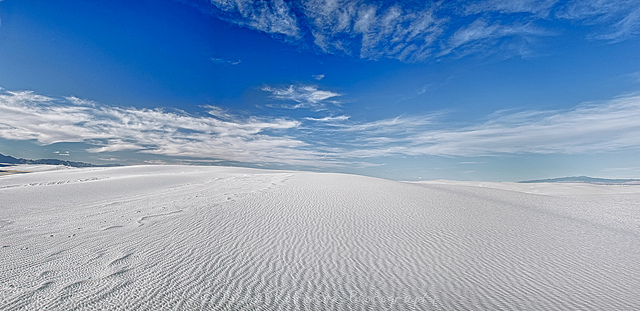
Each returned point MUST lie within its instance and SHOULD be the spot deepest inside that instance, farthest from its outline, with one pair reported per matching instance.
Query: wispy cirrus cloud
(304, 96)
(634, 77)
(622, 17)
(480, 36)
(537, 7)
(329, 119)
(595, 127)
(274, 16)
(401, 125)
(373, 31)
(416, 31)
(219, 112)
(225, 62)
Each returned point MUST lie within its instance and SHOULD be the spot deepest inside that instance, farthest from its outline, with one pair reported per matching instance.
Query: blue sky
(469, 90)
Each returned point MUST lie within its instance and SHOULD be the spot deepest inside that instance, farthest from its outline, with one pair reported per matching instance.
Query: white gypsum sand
(216, 238)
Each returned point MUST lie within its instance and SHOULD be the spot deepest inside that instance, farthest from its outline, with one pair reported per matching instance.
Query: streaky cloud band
(329, 141)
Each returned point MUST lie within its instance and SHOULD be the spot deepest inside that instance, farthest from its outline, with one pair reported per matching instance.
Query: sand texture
(216, 238)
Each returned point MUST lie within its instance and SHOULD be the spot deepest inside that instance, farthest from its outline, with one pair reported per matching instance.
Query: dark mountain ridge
(587, 180)
(9, 160)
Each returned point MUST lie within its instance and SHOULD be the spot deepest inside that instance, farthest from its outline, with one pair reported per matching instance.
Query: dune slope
(215, 238)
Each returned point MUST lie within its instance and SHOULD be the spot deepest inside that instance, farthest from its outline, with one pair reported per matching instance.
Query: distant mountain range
(587, 180)
(9, 160)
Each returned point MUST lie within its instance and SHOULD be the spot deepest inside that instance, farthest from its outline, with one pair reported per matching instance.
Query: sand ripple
(193, 238)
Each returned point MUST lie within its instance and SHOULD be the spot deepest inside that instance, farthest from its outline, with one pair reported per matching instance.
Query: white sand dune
(214, 238)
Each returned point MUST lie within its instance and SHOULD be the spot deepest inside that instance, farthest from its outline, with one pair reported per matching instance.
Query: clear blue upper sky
(470, 90)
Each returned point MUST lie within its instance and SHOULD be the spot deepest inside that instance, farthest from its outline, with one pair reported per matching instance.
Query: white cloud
(417, 31)
(329, 119)
(329, 141)
(351, 27)
(398, 126)
(28, 116)
(80, 102)
(274, 16)
(114, 145)
(222, 61)
(620, 18)
(306, 96)
(480, 36)
(602, 127)
(318, 77)
(633, 76)
(537, 7)
(373, 31)
(219, 112)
